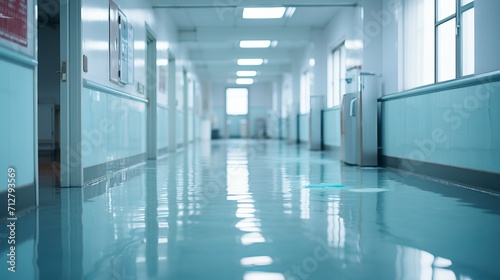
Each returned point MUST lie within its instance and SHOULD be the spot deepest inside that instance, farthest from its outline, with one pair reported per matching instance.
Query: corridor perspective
(262, 209)
(249, 139)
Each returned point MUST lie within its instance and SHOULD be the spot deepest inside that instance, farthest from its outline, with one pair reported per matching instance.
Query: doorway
(49, 92)
(173, 103)
(152, 137)
(237, 125)
(52, 23)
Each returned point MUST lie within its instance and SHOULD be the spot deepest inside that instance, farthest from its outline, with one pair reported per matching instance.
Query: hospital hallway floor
(257, 210)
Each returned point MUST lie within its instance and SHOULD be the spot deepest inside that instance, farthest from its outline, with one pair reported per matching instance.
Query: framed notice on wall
(121, 47)
(114, 43)
(14, 21)
(130, 79)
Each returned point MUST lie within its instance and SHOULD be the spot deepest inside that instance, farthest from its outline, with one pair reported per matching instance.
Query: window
(190, 95)
(467, 37)
(237, 101)
(338, 72)
(286, 95)
(454, 39)
(438, 41)
(418, 40)
(306, 87)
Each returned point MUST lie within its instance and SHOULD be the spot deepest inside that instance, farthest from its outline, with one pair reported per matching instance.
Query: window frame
(336, 100)
(459, 10)
(306, 84)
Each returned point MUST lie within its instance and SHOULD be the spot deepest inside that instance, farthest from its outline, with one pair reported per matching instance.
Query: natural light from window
(236, 101)
(468, 42)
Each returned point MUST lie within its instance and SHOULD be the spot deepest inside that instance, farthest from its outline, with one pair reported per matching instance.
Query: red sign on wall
(14, 21)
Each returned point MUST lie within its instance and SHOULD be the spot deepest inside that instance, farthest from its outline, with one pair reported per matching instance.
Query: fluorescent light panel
(244, 81)
(255, 43)
(250, 61)
(263, 13)
(246, 73)
(289, 12)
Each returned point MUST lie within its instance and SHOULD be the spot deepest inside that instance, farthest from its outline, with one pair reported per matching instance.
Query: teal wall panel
(284, 128)
(331, 127)
(256, 113)
(190, 123)
(304, 128)
(218, 120)
(162, 128)
(234, 124)
(17, 123)
(457, 127)
(179, 127)
(197, 127)
(112, 127)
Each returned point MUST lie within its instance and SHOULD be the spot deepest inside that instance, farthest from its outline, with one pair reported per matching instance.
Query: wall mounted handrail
(448, 85)
(17, 58)
(331, 109)
(95, 86)
(162, 106)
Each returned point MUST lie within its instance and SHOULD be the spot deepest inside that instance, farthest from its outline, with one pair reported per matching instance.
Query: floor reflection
(241, 209)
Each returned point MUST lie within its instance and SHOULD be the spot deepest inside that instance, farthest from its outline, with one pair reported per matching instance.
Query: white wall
(390, 18)
(286, 94)
(291, 84)
(129, 116)
(260, 102)
(372, 36)
(218, 107)
(286, 104)
(273, 118)
(346, 25)
(261, 96)
(320, 69)
(95, 37)
(487, 22)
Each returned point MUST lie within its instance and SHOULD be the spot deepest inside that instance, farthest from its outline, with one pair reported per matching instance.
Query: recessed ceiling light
(263, 13)
(289, 12)
(250, 61)
(274, 44)
(246, 73)
(255, 43)
(244, 81)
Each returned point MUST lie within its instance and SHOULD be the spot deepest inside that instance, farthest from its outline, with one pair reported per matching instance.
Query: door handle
(63, 73)
(352, 110)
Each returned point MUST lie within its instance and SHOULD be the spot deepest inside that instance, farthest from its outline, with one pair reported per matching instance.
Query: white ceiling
(211, 31)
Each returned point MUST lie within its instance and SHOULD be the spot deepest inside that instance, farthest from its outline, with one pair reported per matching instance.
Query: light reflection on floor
(241, 209)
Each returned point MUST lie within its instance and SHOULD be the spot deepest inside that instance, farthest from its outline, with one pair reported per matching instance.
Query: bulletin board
(114, 33)
(121, 47)
(14, 21)
(130, 79)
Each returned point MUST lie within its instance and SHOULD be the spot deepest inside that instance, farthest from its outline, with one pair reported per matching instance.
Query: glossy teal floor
(257, 210)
